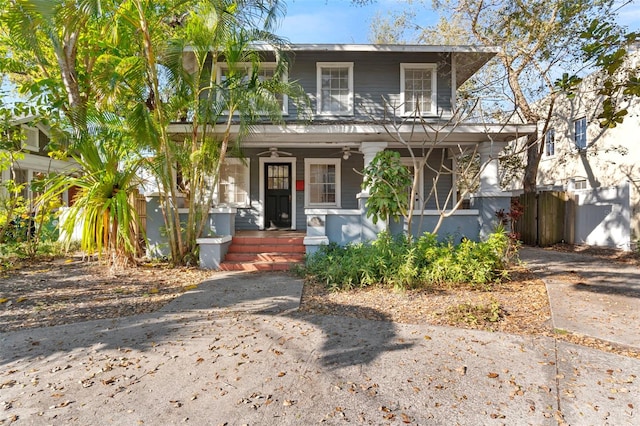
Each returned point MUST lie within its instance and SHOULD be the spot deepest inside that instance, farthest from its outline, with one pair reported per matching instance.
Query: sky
(331, 21)
(338, 21)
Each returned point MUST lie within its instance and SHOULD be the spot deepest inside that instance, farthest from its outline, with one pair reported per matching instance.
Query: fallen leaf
(288, 402)
(492, 375)
(4, 300)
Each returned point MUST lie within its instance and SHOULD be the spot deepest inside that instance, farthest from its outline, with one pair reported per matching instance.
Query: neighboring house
(305, 176)
(36, 160)
(598, 166)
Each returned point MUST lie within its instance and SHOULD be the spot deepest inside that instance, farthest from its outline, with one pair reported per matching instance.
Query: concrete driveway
(235, 351)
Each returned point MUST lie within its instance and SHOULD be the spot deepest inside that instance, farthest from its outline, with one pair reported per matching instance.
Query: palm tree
(211, 33)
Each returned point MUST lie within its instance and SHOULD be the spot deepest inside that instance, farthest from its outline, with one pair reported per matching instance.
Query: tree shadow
(346, 341)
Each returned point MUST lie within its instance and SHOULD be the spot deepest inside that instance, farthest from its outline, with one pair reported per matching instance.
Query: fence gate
(544, 219)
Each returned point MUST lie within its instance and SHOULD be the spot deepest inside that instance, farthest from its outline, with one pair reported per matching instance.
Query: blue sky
(338, 21)
(330, 21)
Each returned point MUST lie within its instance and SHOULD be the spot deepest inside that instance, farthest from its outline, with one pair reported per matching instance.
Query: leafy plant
(403, 263)
(388, 182)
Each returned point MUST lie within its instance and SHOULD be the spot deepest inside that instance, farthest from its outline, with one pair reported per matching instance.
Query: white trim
(454, 85)
(434, 87)
(346, 212)
(220, 66)
(213, 240)
(319, 67)
(307, 169)
(262, 161)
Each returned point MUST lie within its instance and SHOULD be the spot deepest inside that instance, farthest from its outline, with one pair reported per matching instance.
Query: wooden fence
(547, 218)
(140, 226)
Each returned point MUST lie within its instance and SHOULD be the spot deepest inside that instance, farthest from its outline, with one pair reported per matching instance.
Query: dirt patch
(63, 291)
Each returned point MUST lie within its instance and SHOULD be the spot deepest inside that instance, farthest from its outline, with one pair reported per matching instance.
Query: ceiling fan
(274, 152)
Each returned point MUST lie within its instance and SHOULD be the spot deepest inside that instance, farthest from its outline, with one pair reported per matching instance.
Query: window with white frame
(335, 88)
(580, 184)
(322, 182)
(233, 186)
(266, 71)
(550, 142)
(580, 132)
(418, 84)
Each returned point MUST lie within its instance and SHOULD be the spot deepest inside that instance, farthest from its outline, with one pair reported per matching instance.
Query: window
(550, 142)
(267, 71)
(580, 132)
(322, 177)
(233, 188)
(31, 139)
(580, 184)
(335, 88)
(418, 88)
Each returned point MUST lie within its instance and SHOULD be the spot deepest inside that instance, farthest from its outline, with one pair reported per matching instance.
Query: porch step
(263, 254)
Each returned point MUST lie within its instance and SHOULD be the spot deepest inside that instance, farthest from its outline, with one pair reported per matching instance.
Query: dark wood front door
(277, 195)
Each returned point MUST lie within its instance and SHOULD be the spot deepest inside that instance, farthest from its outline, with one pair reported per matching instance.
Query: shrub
(403, 263)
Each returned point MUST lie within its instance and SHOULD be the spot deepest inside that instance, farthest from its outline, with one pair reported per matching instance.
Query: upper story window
(418, 83)
(550, 142)
(580, 132)
(266, 71)
(322, 177)
(335, 88)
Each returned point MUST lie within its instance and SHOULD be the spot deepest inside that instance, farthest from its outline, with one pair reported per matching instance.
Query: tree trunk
(534, 152)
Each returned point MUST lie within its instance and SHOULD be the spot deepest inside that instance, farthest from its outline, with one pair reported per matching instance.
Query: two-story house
(598, 166)
(305, 175)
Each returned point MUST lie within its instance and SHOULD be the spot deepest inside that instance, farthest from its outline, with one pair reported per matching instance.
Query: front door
(277, 195)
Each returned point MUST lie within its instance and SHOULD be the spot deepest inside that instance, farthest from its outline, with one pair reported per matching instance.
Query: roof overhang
(467, 59)
(330, 135)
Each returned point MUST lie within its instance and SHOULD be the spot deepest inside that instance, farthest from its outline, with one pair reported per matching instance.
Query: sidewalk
(590, 296)
(235, 351)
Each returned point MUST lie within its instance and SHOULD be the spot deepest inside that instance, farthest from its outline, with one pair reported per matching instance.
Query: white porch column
(370, 149)
(368, 230)
(489, 166)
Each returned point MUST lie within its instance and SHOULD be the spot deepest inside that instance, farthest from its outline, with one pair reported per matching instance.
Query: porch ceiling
(319, 135)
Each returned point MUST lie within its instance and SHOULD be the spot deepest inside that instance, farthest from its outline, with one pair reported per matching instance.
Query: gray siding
(376, 76)
(248, 218)
(444, 181)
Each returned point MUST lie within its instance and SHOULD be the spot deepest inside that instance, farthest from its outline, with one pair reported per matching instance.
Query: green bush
(403, 263)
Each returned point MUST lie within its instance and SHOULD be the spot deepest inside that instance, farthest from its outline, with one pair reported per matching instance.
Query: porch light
(346, 153)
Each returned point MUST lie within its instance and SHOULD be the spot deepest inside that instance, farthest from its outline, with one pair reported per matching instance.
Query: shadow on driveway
(345, 341)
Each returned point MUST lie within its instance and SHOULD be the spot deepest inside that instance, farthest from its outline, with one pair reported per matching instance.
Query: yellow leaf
(21, 299)
(154, 291)
(4, 300)
(191, 287)
(68, 261)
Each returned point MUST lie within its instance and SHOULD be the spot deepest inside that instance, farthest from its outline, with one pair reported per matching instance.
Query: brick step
(254, 266)
(269, 241)
(265, 248)
(263, 254)
(264, 257)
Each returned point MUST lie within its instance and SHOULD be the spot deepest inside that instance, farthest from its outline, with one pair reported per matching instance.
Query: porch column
(368, 230)
(490, 198)
(370, 149)
(489, 166)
